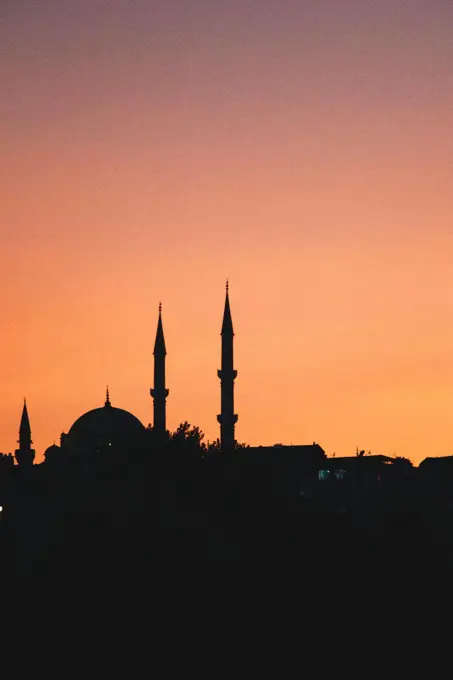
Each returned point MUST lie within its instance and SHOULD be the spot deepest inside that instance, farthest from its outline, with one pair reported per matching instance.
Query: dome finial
(107, 397)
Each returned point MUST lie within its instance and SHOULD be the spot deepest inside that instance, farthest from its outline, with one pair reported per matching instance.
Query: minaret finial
(160, 307)
(107, 397)
(227, 286)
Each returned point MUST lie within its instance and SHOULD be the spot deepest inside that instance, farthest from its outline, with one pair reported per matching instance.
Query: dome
(52, 449)
(52, 452)
(102, 427)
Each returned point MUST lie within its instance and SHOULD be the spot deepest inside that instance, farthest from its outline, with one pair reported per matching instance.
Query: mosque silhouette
(112, 428)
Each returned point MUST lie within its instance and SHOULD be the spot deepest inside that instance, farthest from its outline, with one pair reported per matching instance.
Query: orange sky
(152, 149)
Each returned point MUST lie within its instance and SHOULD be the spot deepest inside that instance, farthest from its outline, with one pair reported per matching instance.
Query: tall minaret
(159, 391)
(227, 375)
(25, 455)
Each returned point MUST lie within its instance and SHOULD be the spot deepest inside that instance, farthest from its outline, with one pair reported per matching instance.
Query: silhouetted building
(110, 428)
(159, 392)
(52, 453)
(437, 471)
(364, 470)
(297, 461)
(101, 429)
(440, 465)
(25, 455)
(6, 462)
(227, 418)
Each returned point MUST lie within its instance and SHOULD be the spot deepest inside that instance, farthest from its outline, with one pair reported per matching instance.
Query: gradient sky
(304, 150)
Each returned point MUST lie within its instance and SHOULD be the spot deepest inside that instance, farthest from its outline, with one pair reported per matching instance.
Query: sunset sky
(304, 149)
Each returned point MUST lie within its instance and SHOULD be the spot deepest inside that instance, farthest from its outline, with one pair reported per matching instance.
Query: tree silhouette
(214, 447)
(189, 437)
(402, 462)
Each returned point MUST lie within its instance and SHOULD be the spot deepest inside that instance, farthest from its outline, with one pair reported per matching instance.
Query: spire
(227, 374)
(107, 397)
(227, 324)
(159, 392)
(24, 428)
(25, 454)
(159, 345)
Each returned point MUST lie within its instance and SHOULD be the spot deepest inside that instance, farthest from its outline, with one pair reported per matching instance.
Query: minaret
(227, 375)
(25, 455)
(159, 392)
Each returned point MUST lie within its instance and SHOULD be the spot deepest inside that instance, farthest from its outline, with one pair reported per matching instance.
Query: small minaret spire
(25, 455)
(227, 418)
(159, 392)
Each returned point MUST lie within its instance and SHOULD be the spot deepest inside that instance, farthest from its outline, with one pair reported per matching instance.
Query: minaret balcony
(227, 374)
(159, 392)
(227, 418)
